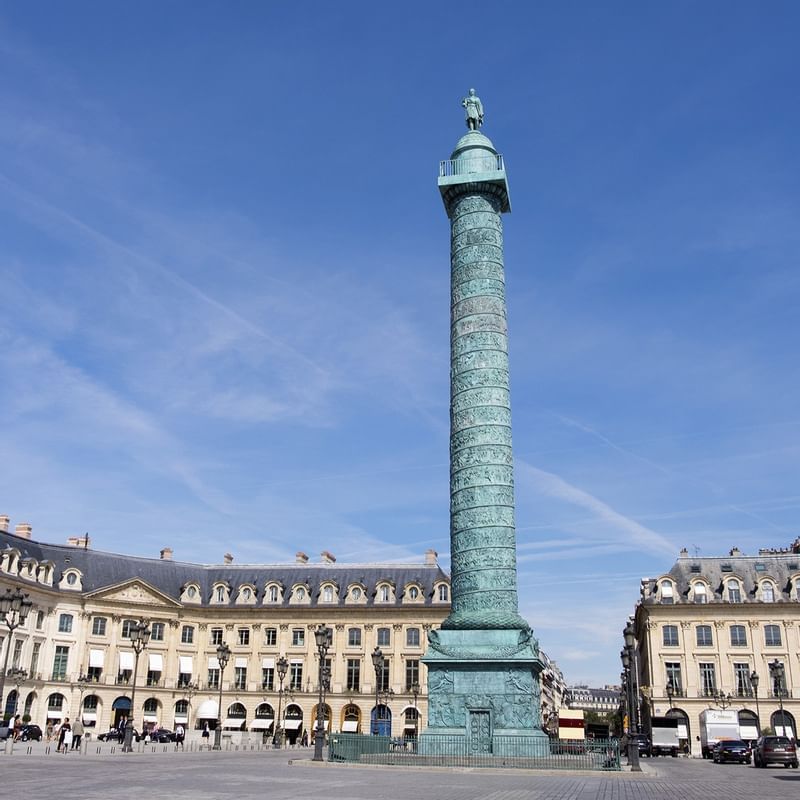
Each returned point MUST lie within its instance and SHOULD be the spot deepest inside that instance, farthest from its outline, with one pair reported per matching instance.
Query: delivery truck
(716, 725)
(664, 736)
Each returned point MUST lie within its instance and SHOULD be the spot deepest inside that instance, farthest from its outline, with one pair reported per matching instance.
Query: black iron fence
(435, 750)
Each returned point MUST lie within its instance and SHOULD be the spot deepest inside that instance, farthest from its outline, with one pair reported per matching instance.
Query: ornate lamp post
(191, 690)
(776, 670)
(282, 665)
(670, 694)
(721, 699)
(754, 679)
(223, 657)
(140, 636)
(629, 663)
(14, 609)
(415, 692)
(378, 662)
(323, 636)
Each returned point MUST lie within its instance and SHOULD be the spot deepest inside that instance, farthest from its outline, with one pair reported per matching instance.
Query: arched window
(220, 594)
(767, 592)
(699, 593)
(413, 593)
(444, 594)
(273, 594)
(327, 594)
(734, 592)
(384, 593)
(667, 596)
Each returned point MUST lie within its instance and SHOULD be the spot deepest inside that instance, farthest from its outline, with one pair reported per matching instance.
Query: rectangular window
(354, 637)
(240, 678)
(15, 659)
(708, 680)
(674, 678)
(127, 627)
(244, 636)
(94, 673)
(216, 636)
(267, 678)
(354, 674)
(738, 636)
(298, 637)
(741, 677)
(384, 637)
(153, 677)
(704, 637)
(670, 634)
(383, 676)
(734, 593)
(157, 632)
(296, 676)
(772, 635)
(99, 626)
(271, 637)
(213, 677)
(187, 634)
(412, 673)
(412, 637)
(65, 623)
(60, 663)
(35, 658)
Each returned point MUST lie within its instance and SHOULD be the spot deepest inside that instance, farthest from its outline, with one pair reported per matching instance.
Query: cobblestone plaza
(285, 775)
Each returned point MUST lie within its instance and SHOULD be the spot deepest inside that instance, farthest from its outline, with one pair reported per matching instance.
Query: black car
(731, 750)
(162, 735)
(775, 750)
(116, 735)
(642, 743)
(33, 732)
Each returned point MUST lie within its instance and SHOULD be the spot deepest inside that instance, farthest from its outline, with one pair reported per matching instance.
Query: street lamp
(282, 665)
(191, 690)
(629, 664)
(223, 657)
(754, 679)
(140, 636)
(670, 694)
(378, 661)
(323, 636)
(415, 692)
(721, 699)
(777, 671)
(14, 609)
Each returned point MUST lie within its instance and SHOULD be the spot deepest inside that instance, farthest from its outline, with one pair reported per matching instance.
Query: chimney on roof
(795, 547)
(4, 523)
(79, 541)
(684, 553)
(735, 551)
(166, 554)
(23, 530)
(300, 557)
(227, 558)
(430, 558)
(328, 557)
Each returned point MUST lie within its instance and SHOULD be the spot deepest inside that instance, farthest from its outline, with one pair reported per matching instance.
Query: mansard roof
(101, 570)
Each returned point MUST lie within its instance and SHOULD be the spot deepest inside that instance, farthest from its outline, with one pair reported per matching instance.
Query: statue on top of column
(474, 110)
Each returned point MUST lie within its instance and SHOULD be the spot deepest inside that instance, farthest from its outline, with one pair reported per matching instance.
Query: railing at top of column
(465, 166)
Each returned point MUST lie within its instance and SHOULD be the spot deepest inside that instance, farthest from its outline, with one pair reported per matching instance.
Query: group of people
(68, 735)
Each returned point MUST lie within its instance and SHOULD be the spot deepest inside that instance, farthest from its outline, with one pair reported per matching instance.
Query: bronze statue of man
(474, 110)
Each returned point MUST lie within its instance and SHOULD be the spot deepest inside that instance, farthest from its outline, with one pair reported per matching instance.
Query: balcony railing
(466, 166)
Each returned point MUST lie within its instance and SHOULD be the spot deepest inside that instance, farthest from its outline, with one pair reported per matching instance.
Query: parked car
(116, 735)
(5, 732)
(162, 735)
(775, 750)
(642, 743)
(30, 731)
(731, 750)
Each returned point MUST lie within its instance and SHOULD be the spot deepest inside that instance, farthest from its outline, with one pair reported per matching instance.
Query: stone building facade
(707, 626)
(76, 654)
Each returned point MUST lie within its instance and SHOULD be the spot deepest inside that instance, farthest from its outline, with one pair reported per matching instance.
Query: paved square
(268, 774)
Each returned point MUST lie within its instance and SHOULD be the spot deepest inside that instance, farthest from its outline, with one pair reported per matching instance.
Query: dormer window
(767, 592)
(327, 594)
(246, 594)
(699, 593)
(734, 592)
(356, 593)
(444, 593)
(667, 595)
(413, 593)
(384, 594)
(272, 594)
(300, 594)
(220, 594)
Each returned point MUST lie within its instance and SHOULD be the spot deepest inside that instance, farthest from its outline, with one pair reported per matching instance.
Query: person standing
(77, 734)
(64, 736)
(206, 733)
(180, 735)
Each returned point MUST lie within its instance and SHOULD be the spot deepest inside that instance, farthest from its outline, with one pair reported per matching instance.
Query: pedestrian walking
(77, 734)
(180, 735)
(48, 731)
(206, 733)
(64, 736)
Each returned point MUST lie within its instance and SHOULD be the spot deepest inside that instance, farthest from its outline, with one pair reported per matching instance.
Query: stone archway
(293, 723)
(120, 708)
(684, 730)
(783, 724)
(749, 727)
(351, 719)
(381, 720)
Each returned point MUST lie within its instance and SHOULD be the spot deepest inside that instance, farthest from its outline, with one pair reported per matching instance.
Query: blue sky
(225, 283)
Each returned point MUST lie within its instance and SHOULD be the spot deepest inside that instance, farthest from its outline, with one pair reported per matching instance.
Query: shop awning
(207, 709)
(89, 716)
(156, 662)
(292, 724)
(745, 731)
(125, 660)
(350, 726)
(54, 714)
(96, 658)
(260, 724)
(182, 718)
(185, 665)
(233, 722)
(150, 717)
